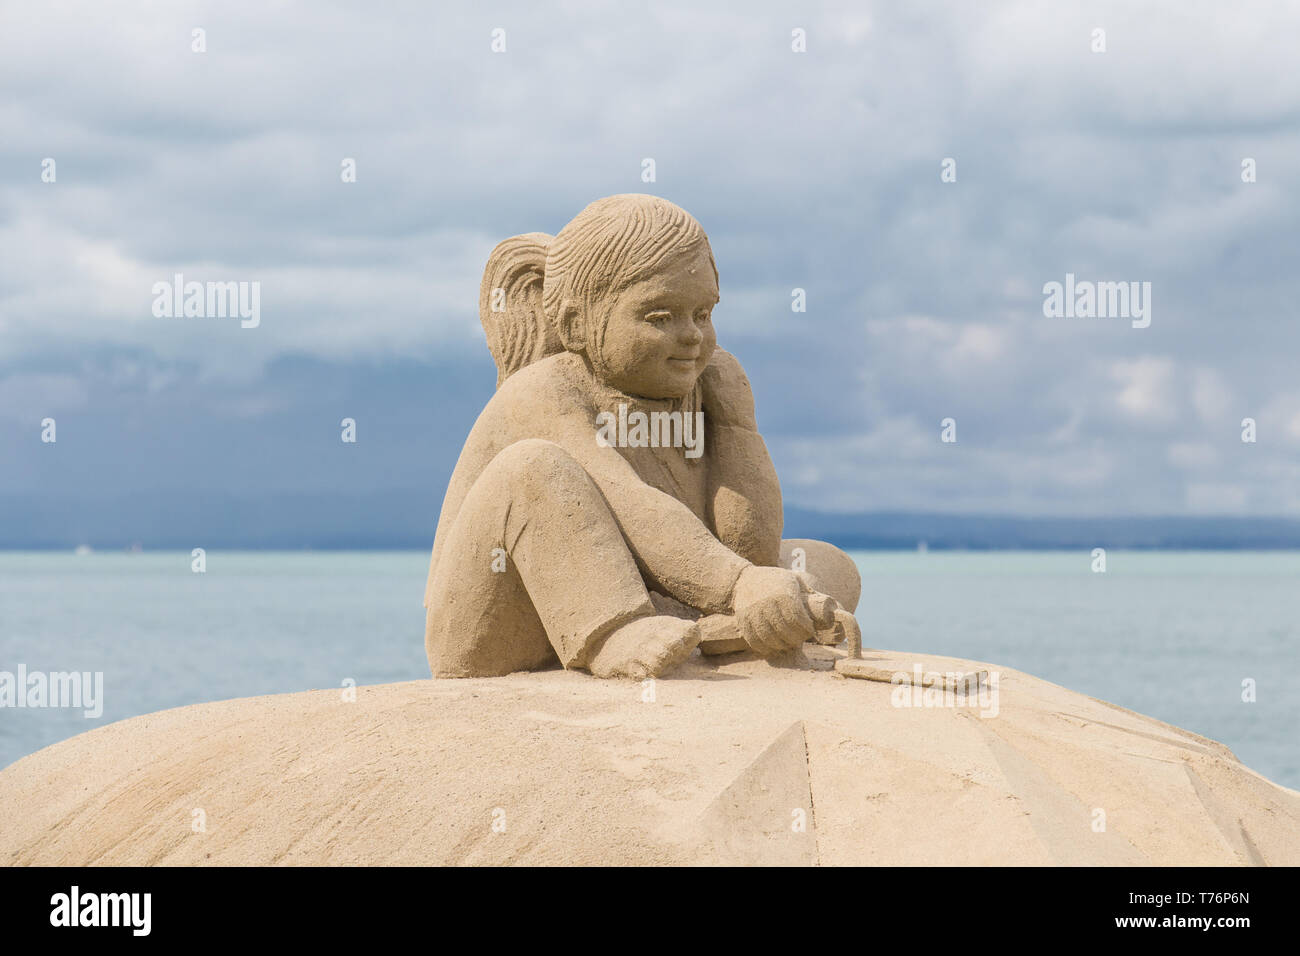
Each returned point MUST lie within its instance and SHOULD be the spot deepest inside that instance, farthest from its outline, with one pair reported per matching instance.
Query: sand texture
(734, 761)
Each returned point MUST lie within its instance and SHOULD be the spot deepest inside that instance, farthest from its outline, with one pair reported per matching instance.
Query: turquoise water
(1170, 634)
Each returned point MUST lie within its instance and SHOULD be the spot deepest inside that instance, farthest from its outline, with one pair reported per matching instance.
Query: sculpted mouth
(686, 361)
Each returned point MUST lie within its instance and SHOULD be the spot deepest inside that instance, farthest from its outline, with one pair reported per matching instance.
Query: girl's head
(630, 284)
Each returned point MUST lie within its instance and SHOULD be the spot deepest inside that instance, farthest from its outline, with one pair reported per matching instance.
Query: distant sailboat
(922, 547)
(83, 549)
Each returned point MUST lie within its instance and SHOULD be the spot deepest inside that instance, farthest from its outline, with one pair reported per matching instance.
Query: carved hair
(510, 304)
(611, 244)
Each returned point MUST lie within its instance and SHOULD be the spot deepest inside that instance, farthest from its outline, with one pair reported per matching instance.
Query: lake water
(1170, 634)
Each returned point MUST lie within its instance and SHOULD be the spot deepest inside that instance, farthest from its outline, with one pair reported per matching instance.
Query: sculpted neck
(605, 397)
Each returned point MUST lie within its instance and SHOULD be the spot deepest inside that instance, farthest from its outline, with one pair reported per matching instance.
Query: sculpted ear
(572, 327)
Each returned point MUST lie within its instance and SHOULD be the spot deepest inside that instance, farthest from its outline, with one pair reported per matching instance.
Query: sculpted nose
(693, 335)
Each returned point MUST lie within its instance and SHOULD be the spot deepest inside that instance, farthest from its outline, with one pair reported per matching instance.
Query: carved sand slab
(899, 670)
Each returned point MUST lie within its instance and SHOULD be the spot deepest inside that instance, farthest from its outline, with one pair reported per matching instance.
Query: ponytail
(510, 304)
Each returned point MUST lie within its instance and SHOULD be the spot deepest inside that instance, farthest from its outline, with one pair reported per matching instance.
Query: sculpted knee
(835, 571)
(535, 469)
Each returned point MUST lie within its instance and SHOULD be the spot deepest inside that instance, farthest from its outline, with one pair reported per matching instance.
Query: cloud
(27, 398)
(1211, 397)
(818, 170)
(1145, 388)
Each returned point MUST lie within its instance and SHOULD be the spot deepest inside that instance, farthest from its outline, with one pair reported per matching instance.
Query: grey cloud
(818, 171)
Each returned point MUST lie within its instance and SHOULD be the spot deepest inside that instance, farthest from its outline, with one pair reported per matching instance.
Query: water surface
(1170, 634)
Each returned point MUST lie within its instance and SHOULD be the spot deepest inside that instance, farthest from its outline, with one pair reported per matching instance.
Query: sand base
(733, 761)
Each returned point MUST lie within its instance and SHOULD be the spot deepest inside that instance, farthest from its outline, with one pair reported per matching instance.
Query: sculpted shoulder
(535, 402)
(544, 391)
(728, 397)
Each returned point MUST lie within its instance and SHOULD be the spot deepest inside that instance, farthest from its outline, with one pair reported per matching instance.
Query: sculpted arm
(679, 556)
(744, 493)
(676, 552)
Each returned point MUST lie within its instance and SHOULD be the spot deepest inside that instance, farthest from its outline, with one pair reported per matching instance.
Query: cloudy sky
(817, 170)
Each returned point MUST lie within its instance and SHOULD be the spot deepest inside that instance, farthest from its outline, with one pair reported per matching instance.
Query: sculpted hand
(772, 613)
(823, 609)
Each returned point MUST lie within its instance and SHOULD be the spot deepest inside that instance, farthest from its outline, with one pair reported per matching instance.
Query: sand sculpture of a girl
(567, 535)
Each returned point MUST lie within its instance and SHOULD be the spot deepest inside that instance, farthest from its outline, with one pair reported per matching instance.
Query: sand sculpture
(614, 506)
(564, 539)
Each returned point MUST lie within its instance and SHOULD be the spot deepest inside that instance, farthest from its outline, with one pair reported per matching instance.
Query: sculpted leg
(535, 570)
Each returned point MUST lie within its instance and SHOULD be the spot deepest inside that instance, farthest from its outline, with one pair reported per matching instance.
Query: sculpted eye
(703, 315)
(658, 315)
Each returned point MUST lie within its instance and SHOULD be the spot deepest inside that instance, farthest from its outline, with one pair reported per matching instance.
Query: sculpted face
(659, 336)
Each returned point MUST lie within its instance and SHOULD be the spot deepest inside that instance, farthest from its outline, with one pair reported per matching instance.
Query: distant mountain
(891, 530)
(407, 519)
